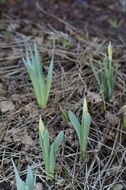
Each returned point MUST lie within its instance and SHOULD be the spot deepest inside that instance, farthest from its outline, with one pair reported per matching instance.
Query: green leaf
(74, 121)
(85, 108)
(110, 51)
(19, 183)
(30, 179)
(106, 76)
(64, 114)
(58, 140)
(52, 157)
(34, 68)
(50, 72)
(46, 146)
(37, 59)
(85, 126)
(49, 80)
(41, 126)
(86, 122)
(95, 74)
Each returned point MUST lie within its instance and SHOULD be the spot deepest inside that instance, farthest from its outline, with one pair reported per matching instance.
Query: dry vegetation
(105, 165)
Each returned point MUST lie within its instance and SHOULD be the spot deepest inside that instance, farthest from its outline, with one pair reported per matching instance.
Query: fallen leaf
(39, 40)
(60, 183)
(15, 97)
(38, 186)
(112, 118)
(94, 97)
(21, 136)
(27, 140)
(31, 109)
(6, 105)
(17, 134)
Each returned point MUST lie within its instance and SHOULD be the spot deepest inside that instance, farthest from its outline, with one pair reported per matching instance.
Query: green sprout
(24, 185)
(49, 151)
(124, 120)
(40, 84)
(64, 114)
(66, 42)
(122, 113)
(82, 129)
(113, 23)
(106, 75)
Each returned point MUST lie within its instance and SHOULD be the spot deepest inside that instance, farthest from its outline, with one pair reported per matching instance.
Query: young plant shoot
(24, 185)
(82, 129)
(49, 151)
(106, 75)
(40, 83)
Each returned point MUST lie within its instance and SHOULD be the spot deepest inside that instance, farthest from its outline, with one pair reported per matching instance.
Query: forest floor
(82, 34)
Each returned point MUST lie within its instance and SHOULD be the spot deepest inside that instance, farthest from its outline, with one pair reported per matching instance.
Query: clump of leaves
(105, 76)
(82, 129)
(24, 185)
(49, 151)
(41, 84)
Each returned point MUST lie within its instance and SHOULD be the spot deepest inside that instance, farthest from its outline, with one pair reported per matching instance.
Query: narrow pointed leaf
(110, 51)
(95, 74)
(85, 126)
(41, 126)
(50, 72)
(52, 157)
(85, 108)
(30, 179)
(20, 184)
(58, 140)
(74, 121)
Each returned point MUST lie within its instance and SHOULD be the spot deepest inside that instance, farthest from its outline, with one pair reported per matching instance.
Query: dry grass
(105, 163)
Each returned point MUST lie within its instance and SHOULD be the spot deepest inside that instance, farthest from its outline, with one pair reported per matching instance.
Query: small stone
(117, 186)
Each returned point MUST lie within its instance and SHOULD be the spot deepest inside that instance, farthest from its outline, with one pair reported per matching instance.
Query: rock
(117, 186)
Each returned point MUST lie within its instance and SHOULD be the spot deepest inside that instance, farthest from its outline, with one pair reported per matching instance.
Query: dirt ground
(83, 30)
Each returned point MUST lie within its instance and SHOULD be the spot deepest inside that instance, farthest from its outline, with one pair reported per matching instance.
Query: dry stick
(114, 156)
(117, 172)
(109, 188)
(99, 148)
(74, 169)
(88, 173)
(109, 160)
(55, 17)
(109, 169)
(71, 27)
(100, 145)
(70, 174)
(78, 153)
(117, 175)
